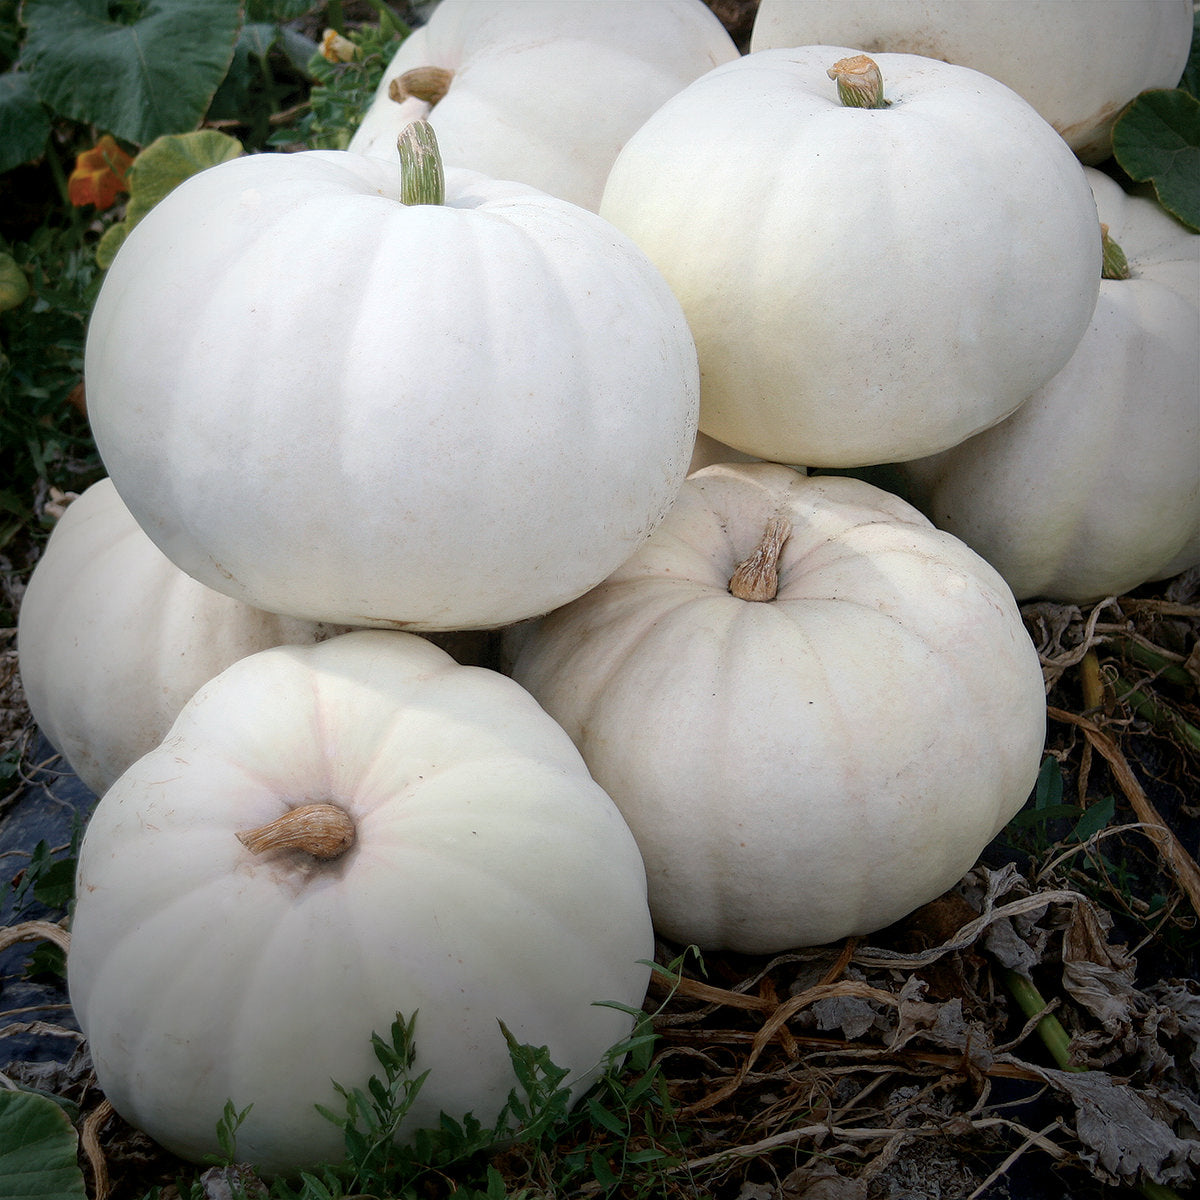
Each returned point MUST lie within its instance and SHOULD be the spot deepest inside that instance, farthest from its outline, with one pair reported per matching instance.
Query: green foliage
(342, 91)
(38, 1149)
(150, 69)
(41, 362)
(1190, 80)
(619, 1139)
(24, 120)
(1047, 811)
(1157, 140)
(158, 170)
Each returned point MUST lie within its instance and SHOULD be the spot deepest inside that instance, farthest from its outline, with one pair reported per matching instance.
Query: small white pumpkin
(331, 834)
(1078, 62)
(113, 638)
(808, 742)
(863, 284)
(1092, 487)
(328, 402)
(541, 91)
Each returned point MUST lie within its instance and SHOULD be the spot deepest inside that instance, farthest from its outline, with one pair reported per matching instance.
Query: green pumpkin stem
(421, 177)
(1116, 265)
(757, 577)
(859, 82)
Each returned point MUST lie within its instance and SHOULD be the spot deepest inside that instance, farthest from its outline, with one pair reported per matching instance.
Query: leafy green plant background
(197, 80)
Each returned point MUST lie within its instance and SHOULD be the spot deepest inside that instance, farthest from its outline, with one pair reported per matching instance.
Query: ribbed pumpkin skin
(545, 92)
(330, 404)
(810, 767)
(491, 880)
(864, 285)
(1092, 487)
(1078, 62)
(113, 638)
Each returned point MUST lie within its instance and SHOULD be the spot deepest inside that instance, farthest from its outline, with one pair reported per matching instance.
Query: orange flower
(99, 174)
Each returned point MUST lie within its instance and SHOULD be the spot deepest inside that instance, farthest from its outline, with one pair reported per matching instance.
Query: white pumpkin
(329, 403)
(113, 638)
(487, 878)
(864, 285)
(538, 90)
(1092, 487)
(803, 757)
(1078, 62)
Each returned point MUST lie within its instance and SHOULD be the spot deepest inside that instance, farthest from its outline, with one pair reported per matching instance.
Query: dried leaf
(1128, 1133)
(100, 174)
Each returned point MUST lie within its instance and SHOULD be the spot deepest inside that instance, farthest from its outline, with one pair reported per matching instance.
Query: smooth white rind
(813, 767)
(863, 285)
(1078, 62)
(329, 404)
(491, 880)
(113, 638)
(1092, 487)
(546, 92)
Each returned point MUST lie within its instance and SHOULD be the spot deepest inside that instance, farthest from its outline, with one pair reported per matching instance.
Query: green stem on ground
(1049, 1028)
(334, 16)
(1158, 714)
(1058, 1042)
(1162, 666)
(1091, 683)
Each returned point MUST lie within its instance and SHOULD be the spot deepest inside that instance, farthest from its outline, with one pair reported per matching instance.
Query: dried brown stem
(424, 83)
(757, 577)
(323, 830)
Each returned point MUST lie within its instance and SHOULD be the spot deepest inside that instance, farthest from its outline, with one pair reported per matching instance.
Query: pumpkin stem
(859, 82)
(421, 178)
(323, 830)
(1116, 265)
(425, 83)
(757, 577)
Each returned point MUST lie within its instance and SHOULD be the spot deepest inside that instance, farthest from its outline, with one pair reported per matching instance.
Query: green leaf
(152, 76)
(38, 1149)
(1190, 81)
(24, 121)
(169, 160)
(1095, 817)
(1157, 140)
(14, 283)
(160, 168)
(1049, 789)
(605, 1119)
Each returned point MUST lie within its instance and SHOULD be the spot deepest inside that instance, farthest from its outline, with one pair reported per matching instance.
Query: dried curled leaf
(100, 174)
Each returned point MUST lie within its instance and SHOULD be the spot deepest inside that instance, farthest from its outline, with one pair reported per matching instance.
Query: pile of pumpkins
(452, 379)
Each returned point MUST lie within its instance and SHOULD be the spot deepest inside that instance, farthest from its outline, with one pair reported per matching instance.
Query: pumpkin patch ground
(908, 1063)
(1032, 1033)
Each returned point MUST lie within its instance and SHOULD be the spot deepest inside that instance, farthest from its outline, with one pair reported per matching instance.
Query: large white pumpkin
(863, 284)
(1078, 62)
(542, 91)
(113, 638)
(488, 879)
(1092, 487)
(819, 760)
(329, 403)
